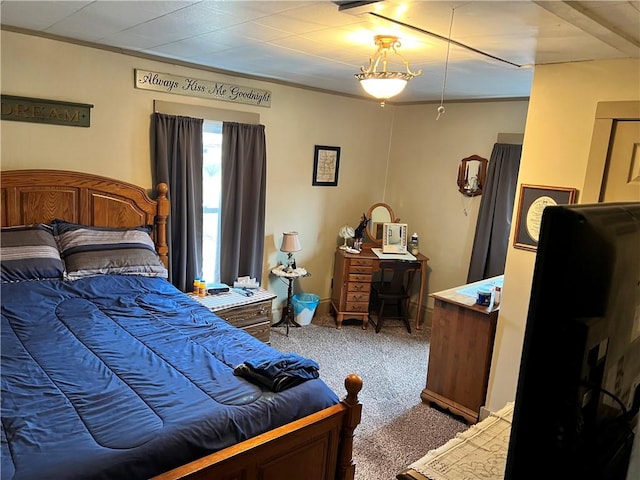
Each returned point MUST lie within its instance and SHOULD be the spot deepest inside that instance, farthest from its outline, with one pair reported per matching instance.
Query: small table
(288, 318)
(250, 313)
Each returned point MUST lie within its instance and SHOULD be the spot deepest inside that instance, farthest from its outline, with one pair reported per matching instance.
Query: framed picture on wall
(533, 200)
(326, 161)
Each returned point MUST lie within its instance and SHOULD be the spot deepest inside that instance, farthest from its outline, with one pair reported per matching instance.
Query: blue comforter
(126, 377)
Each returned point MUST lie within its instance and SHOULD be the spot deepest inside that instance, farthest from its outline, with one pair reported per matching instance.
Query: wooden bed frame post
(346, 467)
(161, 223)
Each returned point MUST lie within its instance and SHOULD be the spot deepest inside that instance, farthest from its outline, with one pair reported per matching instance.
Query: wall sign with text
(193, 87)
(39, 110)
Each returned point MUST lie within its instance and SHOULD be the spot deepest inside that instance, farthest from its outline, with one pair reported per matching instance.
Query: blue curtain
(244, 184)
(178, 162)
(491, 240)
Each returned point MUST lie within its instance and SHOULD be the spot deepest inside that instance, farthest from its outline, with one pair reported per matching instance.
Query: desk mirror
(379, 214)
(394, 238)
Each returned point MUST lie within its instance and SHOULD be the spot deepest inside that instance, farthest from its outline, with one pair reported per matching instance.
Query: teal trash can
(304, 306)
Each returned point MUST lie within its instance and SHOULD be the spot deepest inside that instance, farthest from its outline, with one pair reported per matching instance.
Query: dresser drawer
(361, 307)
(358, 287)
(361, 269)
(358, 297)
(359, 277)
(255, 318)
(261, 331)
(247, 315)
(360, 262)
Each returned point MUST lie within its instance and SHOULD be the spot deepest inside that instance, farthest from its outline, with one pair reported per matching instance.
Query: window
(211, 199)
(212, 173)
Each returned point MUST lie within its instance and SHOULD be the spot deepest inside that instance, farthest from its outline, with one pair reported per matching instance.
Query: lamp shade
(381, 86)
(290, 242)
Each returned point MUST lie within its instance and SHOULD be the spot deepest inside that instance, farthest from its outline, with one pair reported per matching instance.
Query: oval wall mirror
(472, 174)
(379, 214)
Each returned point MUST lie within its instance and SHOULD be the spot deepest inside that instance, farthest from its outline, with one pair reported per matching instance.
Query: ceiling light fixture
(384, 84)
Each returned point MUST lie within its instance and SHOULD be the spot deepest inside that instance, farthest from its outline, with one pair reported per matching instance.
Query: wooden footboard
(316, 447)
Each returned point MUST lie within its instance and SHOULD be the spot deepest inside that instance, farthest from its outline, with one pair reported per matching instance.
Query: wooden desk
(352, 275)
(462, 335)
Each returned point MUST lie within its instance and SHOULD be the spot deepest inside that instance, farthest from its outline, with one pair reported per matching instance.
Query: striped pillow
(89, 251)
(29, 252)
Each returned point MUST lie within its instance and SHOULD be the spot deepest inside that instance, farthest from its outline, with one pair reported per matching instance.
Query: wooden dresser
(253, 314)
(254, 318)
(460, 350)
(352, 276)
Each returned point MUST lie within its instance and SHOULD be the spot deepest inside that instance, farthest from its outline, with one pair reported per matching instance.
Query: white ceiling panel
(99, 19)
(316, 44)
(38, 16)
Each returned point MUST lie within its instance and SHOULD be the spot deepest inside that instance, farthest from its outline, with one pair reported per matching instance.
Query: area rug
(479, 453)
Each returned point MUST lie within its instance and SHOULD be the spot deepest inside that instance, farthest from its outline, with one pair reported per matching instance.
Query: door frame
(607, 114)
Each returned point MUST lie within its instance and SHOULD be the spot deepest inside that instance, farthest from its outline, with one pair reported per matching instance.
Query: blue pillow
(29, 252)
(89, 251)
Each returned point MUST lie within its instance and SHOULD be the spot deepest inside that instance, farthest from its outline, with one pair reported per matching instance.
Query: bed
(108, 371)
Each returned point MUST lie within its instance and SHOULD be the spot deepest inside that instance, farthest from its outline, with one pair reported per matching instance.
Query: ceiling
(322, 44)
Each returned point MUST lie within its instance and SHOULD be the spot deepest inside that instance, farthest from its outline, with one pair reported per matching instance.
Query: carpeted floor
(397, 428)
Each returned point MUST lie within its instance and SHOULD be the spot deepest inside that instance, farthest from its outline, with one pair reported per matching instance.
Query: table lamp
(290, 244)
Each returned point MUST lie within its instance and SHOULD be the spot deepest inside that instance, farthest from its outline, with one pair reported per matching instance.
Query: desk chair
(393, 290)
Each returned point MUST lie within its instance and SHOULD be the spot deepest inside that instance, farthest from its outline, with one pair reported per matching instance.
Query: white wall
(422, 185)
(424, 154)
(555, 153)
(117, 144)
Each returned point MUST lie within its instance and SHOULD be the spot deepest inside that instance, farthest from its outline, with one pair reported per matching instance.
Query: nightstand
(250, 313)
(288, 317)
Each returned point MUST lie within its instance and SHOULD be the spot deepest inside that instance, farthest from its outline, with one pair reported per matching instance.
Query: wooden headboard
(40, 196)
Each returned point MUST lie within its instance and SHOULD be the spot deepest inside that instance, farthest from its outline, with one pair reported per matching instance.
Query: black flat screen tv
(577, 395)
